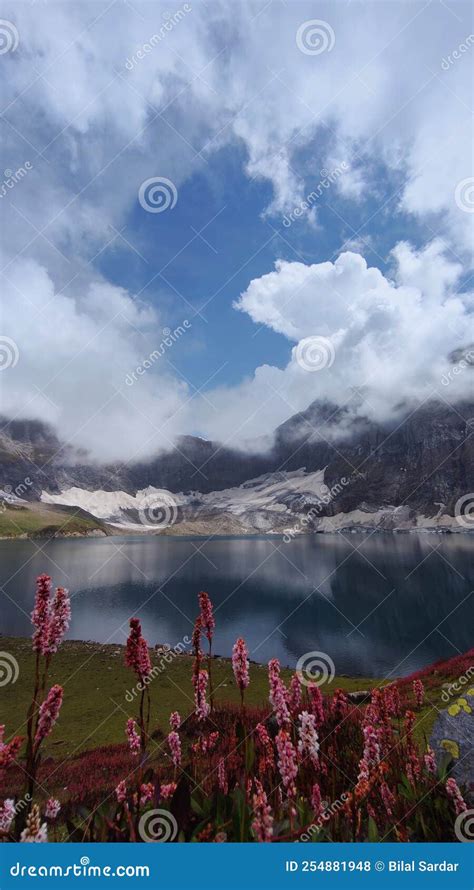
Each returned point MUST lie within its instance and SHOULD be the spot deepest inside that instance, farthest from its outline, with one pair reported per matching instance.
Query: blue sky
(245, 108)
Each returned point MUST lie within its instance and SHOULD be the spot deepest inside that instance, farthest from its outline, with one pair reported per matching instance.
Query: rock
(359, 696)
(453, 734)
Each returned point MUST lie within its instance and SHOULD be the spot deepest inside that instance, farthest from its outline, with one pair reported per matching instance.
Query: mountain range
(328, 469)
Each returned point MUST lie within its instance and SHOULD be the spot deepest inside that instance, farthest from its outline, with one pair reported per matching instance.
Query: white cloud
(230, 74)
(391, 338)
(74, 356)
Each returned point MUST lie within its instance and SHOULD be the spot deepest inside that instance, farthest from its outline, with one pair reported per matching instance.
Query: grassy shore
(40, 521)
(96, 683)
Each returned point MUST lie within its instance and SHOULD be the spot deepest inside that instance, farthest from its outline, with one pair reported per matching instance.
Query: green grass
(39, 521)
(96, 681)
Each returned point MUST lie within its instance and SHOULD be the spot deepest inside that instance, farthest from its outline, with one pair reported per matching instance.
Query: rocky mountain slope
(327, 470)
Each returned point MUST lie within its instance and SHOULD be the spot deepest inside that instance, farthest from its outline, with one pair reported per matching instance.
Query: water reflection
(377, 604)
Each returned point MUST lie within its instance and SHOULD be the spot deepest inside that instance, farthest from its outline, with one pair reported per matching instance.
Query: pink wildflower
(48, 713)
(206, 744)
(388, 799)
(316, 801)
(266, 758)
(132, 736)
(392, 699)
(317, 705)
(136, 655)
(454, 793)
(294, 695)
(59, 619)
(200, 688)
(430, 761)
(277, 695)
(287, 762)
(175, 720)
(146, 793)
(7, 814)
(121, 792)
(40, 615)
(308, 744)
(35, 832)
(371, 745)
(174, 742)
(8, 750)
(168, 790)
(339, 704)
(240, 664)
(207, 616)
(263, 820)
(222, 776)
(419, 692)
(52, 809)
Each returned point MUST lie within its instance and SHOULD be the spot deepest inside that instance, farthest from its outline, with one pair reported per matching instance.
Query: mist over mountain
(420, 464)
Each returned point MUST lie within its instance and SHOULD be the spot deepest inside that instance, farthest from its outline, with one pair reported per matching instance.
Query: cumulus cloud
(74, 355)
(391, 338)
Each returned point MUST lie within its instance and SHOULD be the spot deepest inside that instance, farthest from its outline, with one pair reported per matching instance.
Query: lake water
(379, 605)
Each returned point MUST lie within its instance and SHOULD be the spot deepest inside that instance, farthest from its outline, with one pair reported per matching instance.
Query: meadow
(108, 742)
